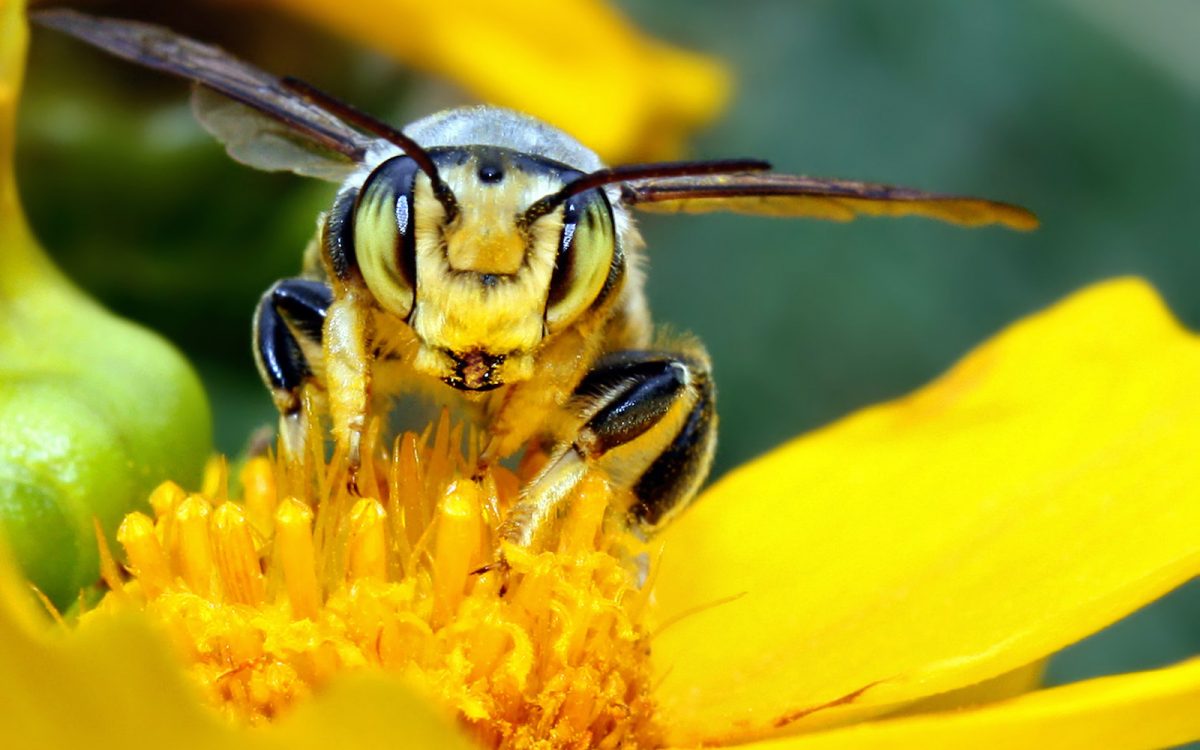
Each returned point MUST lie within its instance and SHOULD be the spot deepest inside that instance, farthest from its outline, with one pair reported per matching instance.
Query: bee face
(481, 287)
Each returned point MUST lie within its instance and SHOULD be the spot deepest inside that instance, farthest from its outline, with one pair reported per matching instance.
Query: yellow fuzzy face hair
(482, 286)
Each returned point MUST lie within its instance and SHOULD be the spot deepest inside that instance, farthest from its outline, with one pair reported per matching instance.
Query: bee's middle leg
(649, 427)
(287, 343)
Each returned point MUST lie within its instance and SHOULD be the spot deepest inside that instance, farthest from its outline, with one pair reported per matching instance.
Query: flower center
(271, 595)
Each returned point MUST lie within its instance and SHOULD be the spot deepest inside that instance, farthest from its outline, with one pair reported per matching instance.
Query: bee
(486, 255)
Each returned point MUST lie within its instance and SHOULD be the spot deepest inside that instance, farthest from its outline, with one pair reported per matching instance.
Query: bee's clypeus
(486, 253)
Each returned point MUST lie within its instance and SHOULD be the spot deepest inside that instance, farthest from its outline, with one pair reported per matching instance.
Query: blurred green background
(1087, 111)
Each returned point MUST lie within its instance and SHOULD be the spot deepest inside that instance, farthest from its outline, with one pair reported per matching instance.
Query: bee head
(480, 282)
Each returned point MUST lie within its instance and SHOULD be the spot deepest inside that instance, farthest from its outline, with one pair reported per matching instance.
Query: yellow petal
(1001, 687)
(1043, 488)
(1129, 712)
(575, 63)
(114, 683)
(367, 712)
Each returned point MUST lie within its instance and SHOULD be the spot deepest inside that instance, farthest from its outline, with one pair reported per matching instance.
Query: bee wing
(263, 142)
(768, 194)
(267, 125)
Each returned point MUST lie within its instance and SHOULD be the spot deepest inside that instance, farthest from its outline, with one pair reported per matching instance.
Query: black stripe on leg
(635, 399)
(680, 468)
(280, 360)
(291, 307)
(632, 364)
(304, 303)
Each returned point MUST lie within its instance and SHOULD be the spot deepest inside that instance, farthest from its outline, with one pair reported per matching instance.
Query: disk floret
(270, 595)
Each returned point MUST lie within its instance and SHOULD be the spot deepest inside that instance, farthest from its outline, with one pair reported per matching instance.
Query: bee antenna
(630, 172)
(366, 123)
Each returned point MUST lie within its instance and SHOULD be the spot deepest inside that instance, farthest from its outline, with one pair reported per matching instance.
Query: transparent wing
(263, 142)
(273, 123)
(768, 194)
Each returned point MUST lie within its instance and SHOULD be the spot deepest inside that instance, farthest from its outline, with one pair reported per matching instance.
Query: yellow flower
(893, 580)
(576, 64)
(270, 597)
(885, 582)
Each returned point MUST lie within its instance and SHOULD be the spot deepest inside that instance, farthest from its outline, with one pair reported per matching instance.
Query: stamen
(458, 541)
(257, 478)
(215, 484)
(580, 528)
(165, 498)
(147, 562)
(236, 558)
(408, 485)
(271, 595)
(293, 535)
(195, 548)
(368, 556)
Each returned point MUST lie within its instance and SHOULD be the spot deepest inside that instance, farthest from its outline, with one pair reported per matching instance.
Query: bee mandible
(482, 253)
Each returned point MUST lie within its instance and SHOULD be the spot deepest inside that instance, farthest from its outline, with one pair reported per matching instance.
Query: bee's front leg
(348, 349)
(649, 426)
(521, 411)
(288, 328)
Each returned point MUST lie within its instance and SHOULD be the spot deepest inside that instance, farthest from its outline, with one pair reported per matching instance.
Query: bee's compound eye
(384, 242)
(585, 257)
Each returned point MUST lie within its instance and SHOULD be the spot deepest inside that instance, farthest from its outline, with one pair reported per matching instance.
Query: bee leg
(650, 428)
(287, 340)
(348, 338)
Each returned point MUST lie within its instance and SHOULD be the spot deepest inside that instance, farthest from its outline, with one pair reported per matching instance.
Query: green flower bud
(94, 411)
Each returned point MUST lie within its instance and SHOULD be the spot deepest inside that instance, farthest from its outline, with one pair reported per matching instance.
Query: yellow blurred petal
(114, 683)
(1001, 687)
(1130, 712)
(1043, 488)
(575, 63)
(367, 712)
(12, 65)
